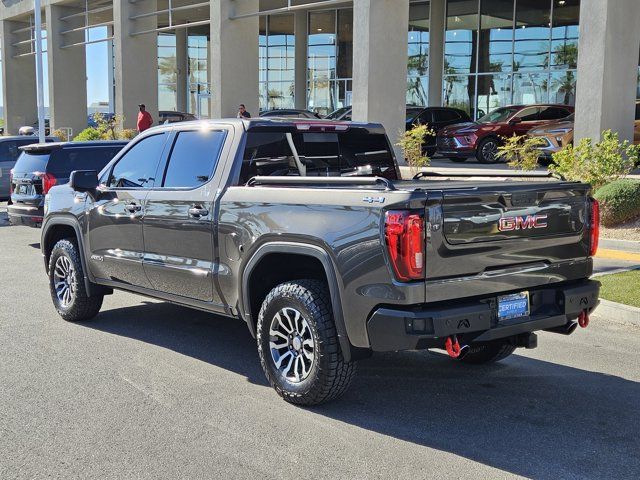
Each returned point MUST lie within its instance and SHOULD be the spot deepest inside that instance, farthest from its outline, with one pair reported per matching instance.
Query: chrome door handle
(133, 207)
(197, 211)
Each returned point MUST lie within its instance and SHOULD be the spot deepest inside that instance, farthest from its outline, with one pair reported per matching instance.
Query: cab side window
(137, 168)
(193, 158)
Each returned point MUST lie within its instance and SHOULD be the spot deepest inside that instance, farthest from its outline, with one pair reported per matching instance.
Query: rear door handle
(198, 211)
(133, 207)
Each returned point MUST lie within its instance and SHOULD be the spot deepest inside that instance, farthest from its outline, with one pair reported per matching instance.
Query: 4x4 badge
(373, 199)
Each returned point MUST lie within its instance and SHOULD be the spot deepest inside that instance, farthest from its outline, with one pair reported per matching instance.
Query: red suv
(482, 138)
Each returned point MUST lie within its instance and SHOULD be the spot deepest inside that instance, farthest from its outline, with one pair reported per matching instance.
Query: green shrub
(596, 163)
(412, 144)
(88, 134)
(127, 134)
(619, 201)
(521, 151)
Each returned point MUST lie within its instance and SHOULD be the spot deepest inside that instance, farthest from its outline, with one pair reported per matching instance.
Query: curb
(621, 245)
(618, 311)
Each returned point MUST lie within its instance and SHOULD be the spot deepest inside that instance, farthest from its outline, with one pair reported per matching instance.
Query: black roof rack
(378, 182)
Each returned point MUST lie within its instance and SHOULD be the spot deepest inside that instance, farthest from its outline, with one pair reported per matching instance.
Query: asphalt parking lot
(151, 390)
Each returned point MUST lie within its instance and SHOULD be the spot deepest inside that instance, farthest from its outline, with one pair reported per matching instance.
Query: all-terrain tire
(329, 375)
(80, 307)
(488, 352)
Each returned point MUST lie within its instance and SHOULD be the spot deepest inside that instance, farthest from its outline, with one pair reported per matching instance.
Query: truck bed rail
(419, 175)
(376, 182)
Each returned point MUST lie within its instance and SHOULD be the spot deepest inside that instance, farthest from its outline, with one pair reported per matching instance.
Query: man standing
(144, 119)
(242, 112)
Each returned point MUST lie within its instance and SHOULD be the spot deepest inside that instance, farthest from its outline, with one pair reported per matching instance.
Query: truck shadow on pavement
(525, 416)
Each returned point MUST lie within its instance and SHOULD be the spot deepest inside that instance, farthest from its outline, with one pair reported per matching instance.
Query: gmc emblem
(528, 222)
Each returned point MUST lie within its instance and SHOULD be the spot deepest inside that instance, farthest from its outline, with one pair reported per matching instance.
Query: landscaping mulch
(626, 231)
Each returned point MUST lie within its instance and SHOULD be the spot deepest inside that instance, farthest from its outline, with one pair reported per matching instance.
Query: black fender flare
(73, 223)
(332, 279)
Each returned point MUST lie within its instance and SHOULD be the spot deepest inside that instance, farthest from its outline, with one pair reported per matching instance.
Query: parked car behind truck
(41, 166)
(558, 134)
(9, 153)
(482, 138)
(304, 230)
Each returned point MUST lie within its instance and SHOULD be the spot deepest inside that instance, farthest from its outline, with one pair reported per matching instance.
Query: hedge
(619, 201)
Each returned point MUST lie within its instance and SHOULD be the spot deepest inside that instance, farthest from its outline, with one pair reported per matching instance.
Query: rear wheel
(487, 151)
(66, 283)
(488, 352)
(298, 344)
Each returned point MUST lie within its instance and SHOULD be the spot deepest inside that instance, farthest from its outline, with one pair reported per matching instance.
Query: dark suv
(483, 137)
(9, 153)
(41, 166)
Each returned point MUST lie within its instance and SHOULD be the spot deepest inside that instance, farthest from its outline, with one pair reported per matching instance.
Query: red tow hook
(583, 319)
(453, 347)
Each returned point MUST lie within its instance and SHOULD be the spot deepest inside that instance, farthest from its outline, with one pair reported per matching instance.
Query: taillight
(594, 231)
(11, 182)
(404, 234)
(48, 181)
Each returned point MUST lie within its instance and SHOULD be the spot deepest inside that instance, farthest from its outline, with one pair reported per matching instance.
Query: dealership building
(206, 57)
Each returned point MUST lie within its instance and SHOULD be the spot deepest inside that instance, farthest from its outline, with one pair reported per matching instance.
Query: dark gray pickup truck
(303, 230)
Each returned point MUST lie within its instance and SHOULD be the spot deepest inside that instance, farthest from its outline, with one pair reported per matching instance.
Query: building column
(67, 71)
(182, 64)
(301, 36)
(18, 80)
(136, 60)
(436, 52)
(607, 75)
(380, 64)
(234, 57)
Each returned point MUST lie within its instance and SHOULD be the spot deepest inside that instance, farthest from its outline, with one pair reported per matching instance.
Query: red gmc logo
(509, 224)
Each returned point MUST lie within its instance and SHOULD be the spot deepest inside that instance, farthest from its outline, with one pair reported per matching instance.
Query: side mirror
(515, 121)
(84, 180)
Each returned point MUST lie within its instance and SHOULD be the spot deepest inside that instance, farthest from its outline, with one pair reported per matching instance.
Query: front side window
(528, 114)
(137, 167)
(193, 158)
(498, 115)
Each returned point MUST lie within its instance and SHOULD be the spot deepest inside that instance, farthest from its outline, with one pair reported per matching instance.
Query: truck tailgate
(491, 238)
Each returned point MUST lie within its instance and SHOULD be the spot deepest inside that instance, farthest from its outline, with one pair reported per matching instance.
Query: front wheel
(298, 344)
(66, 283)
(488, 352)
(487, 151)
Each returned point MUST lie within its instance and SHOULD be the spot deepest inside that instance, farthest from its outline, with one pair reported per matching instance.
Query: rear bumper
(392, 329)
(28, 215)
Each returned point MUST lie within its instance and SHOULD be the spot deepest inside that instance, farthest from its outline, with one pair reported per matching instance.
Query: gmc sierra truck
(305, 231)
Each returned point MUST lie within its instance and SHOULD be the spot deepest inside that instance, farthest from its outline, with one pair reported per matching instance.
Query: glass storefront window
(459, 92)
(530, 87)
(562, 88)
(494, 91)
(496, 36)
(564, 34)
(167, 72)
(418, 54)
(197, 51)
(280, 61)
(461, 37)
(532, 36)
(321, 62)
